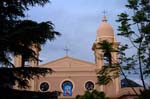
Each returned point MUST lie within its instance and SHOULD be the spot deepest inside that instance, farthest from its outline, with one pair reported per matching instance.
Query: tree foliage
(17, 35)
(17, 94)
(144, 94)
(94, 94)
(21, 76)
(111, 70)
(29, 32)
(107, 74)
(107, 48)
(136, 28)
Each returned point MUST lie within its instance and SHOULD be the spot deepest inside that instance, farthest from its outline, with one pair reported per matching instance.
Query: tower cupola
(105, 31)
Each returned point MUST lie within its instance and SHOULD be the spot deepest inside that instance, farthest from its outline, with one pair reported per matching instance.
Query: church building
(73, 76)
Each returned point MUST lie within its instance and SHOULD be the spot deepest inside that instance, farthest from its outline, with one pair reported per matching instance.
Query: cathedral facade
(73, 76)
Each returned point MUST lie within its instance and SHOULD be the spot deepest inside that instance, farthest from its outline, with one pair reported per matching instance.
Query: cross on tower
(66, 50)
(104, 12)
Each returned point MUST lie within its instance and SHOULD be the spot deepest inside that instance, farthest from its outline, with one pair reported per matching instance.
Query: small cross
(104, 12)
(66, 50)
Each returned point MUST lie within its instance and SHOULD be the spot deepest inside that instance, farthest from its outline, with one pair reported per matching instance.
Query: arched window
(44, 86)
(89, 85)
(67, 87)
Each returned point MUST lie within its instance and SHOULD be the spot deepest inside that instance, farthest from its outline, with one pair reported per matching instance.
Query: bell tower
(32, 62)
(36, 48)
(105, 32)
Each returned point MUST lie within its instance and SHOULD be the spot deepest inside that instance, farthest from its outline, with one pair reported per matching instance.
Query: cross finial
(66, 50)
(104, 12)
(104, 18)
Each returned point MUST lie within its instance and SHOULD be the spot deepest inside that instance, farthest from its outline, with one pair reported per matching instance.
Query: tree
(29, 32)
(94, 94)
(17, 37)
(112, 69)
(144, 94)
(136, 28)
(16, 94)
(107, 48)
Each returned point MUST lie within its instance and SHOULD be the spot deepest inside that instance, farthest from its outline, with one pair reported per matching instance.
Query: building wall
(77, 81)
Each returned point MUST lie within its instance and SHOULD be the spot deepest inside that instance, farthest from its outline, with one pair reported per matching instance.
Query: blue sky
(77, 21)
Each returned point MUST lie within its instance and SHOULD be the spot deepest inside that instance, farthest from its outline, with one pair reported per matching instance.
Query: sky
(77, 21)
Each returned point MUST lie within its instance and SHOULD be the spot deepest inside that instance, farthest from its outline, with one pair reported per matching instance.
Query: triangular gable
(69, 64)
(67, 61)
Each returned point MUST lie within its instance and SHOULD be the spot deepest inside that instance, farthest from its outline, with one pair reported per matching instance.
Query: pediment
(69, 64)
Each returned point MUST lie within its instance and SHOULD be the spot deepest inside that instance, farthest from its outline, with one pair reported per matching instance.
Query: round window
(44, 86)
(89, 85)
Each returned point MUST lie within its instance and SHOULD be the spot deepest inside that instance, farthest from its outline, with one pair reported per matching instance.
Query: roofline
(67, 57)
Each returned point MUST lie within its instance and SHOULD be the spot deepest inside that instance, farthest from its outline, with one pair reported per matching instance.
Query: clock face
(44, 86)
(89, 85)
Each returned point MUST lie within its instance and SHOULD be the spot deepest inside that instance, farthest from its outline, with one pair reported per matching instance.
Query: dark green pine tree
(29, 32)
(16, 37)
(94, 94)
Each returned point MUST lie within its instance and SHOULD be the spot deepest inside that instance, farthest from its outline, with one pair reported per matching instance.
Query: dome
(105, 30)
